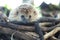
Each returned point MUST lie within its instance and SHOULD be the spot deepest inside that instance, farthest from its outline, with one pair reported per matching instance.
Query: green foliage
(49, 7)
(38, 8)
(53, 7)
(5, 9)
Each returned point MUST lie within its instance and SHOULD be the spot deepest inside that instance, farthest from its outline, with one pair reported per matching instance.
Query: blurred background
(14, 3)
(48, 8)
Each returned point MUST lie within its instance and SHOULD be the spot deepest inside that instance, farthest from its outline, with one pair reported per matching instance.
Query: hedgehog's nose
(30, 16)
(22, 16)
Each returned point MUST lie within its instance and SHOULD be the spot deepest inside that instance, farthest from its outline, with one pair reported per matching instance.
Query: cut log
(48, 19)
(25, 28)
(17, 34)
(17, 27)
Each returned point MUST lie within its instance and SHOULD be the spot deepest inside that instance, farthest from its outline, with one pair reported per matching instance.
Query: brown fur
(26, 10)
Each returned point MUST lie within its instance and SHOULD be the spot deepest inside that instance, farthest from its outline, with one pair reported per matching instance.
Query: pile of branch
(49, 26)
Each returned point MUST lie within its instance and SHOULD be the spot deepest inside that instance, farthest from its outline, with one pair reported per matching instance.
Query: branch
(54, 31)
(17, 27)
(17, 34)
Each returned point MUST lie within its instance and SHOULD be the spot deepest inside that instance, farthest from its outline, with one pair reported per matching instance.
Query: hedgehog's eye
(17, 13)
(29, 16)
(22, 16)
(34, 11)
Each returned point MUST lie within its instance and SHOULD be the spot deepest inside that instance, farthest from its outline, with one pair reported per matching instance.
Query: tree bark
(17, 34)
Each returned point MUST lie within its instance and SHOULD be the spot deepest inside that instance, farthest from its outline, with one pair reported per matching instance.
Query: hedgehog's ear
(17, 12)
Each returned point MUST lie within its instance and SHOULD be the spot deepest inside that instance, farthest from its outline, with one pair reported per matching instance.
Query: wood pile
(50, 27)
